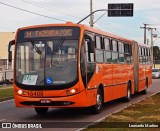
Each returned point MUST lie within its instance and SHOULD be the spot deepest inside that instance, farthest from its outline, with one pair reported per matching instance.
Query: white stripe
(6, 101)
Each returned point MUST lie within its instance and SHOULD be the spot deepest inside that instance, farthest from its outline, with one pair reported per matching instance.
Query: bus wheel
(96, 109)
(146, 86)
(128, 95)
(41, 110)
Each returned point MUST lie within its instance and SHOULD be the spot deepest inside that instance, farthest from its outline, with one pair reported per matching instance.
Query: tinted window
(107, 44)
(114, 45)
(99, 56)
(121, 47)
(98, 42)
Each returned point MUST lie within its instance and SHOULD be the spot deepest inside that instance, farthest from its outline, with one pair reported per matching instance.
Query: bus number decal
(35, 93)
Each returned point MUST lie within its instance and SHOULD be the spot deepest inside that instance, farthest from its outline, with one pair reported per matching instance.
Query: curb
(5, 99)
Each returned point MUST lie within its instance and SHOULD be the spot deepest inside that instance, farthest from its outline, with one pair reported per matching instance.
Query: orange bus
(73, 65)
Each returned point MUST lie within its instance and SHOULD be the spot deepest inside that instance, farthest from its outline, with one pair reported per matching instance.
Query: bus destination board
(48, 33)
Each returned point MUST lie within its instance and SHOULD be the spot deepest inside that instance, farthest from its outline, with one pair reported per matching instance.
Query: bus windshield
(47, 62)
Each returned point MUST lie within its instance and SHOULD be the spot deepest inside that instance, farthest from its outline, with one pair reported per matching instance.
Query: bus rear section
(142, 67)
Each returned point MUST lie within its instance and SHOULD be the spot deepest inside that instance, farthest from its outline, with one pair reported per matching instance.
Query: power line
(34, 4)
(62, 7)
(31, 12)
(65, 5)
(100, 17)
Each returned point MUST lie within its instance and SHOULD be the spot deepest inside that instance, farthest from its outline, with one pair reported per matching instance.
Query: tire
(41, 110)
(146, 87)
(96, 109)
(128, 95)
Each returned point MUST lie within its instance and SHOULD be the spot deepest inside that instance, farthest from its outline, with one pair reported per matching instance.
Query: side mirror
(12, 42)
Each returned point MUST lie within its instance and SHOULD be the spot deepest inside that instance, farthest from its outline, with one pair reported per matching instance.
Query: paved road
(70, 117)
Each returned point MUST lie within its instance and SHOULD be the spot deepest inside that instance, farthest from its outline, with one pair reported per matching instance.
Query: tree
(156, 53)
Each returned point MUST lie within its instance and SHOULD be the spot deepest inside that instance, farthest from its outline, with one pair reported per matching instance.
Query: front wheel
(41, 110)
(96, 109)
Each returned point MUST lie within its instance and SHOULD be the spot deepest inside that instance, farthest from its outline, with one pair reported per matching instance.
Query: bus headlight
(20, 92)
(72, 91)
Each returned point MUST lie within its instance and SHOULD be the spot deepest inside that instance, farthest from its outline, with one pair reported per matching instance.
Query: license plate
(35, 93)
(45, 101)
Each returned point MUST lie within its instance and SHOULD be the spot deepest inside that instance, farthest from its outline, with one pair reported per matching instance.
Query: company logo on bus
(48, 33)
(49, 80)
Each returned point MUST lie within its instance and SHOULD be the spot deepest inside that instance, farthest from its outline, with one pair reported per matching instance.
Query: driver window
(89, 48)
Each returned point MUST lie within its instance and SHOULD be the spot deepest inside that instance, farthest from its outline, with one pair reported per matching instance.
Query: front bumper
(76, 100)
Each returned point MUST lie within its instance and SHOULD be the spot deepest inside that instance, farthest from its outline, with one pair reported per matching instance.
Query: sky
(61, 11)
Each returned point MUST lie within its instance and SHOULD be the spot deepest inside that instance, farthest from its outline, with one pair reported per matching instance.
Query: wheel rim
(129, 94)
(99, 101)
(146, 88)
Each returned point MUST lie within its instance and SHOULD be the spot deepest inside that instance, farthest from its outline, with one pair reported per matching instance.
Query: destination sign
(48, 33)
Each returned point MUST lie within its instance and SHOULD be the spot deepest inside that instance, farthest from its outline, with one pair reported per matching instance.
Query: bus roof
(144, 45)
(84, 28)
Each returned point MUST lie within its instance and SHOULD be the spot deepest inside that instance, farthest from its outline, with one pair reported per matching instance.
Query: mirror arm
(12, 42)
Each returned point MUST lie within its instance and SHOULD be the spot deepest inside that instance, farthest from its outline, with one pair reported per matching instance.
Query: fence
(6, 72)
(6, 65)
(6, 77)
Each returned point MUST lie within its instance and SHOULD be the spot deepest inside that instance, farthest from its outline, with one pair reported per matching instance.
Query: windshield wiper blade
(36, 48)
(59, 44)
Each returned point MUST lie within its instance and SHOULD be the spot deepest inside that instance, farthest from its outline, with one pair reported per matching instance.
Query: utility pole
(151, 29)
(145, 27)
(91, 16)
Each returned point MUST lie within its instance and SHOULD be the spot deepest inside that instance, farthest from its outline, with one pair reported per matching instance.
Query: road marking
(103, 118)
(2, 119)
(6, 101)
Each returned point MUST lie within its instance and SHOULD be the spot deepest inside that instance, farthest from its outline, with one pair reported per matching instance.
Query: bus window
(89, 48)
(149, 58)
(114, 52)
(82, 63)
(140, 55)
(128, 53)
(121, 52)
(99, 51)
(107, 44)
(98, 42)
(107, 51)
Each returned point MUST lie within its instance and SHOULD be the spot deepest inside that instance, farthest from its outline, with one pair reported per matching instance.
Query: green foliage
(156, 53)
(6, 93)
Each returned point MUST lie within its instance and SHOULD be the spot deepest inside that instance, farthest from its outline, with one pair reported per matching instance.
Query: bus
(73, 65)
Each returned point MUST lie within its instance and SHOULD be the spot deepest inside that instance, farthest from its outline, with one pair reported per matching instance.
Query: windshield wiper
(58, 45)
(36, 48)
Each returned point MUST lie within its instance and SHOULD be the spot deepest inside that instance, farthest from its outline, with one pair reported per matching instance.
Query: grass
(145, 111)
(6, 93)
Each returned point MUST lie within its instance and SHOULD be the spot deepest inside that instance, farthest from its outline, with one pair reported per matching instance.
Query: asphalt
(68, 119)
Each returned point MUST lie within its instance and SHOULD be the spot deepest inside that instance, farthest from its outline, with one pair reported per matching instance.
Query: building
(5, 38)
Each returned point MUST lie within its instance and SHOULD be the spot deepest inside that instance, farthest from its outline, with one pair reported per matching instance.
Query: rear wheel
(41, 110)
(96, 109)
(128, 95)
(146, 87)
